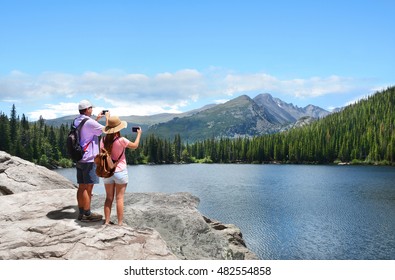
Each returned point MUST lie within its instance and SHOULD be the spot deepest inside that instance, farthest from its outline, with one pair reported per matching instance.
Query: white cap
(84, 104)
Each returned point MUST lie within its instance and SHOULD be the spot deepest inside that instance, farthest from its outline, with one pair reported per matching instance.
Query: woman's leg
(120, 193)
(110, 191)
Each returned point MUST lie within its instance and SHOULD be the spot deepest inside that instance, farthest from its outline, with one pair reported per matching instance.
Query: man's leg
(86, 178)
(85, 196)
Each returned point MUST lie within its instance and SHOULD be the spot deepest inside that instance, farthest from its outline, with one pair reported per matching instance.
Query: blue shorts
(120, 177)
(86, 173)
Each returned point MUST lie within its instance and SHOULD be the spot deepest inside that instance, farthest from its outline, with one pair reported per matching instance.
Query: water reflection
(288, 211)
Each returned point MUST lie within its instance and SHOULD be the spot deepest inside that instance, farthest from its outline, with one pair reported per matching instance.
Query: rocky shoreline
(38, 221)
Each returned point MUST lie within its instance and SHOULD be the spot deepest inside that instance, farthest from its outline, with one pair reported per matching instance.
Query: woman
(116, 184)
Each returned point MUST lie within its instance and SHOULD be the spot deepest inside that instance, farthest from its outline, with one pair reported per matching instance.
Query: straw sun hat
(114, 125)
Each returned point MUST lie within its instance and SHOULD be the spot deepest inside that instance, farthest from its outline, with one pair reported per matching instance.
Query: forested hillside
(36, 142)
(361, 133)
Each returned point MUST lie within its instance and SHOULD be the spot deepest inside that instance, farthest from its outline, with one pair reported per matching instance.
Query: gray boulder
(18, 175)
(42, 225)
(188, 234)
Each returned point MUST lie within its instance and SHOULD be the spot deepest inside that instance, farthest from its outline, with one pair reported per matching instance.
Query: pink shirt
(117, 148)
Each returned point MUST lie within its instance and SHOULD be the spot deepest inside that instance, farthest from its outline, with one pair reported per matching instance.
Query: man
(86, 168)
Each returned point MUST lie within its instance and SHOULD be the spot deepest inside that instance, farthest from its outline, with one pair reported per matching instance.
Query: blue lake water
(287, 212)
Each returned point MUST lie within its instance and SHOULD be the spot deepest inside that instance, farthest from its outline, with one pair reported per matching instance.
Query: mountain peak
(281, 112)
(264, 96)
(241, 98)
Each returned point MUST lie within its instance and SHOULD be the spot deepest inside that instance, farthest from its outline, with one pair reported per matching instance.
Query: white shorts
(120, 177)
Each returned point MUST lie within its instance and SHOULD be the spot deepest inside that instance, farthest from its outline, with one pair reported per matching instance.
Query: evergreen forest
(362, 133)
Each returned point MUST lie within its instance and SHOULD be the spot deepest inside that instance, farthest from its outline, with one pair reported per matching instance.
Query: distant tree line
(33, 141)
(361, 133)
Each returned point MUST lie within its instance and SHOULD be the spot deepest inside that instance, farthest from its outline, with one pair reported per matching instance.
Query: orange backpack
(105, 165)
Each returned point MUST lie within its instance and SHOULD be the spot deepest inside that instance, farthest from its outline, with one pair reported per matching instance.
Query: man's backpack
(74, 149)
(105, 165)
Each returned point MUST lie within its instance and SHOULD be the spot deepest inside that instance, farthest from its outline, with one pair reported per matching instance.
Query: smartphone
(104, 112)
(135, 128)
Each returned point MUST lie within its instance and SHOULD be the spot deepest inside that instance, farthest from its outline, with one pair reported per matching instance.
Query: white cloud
(45, 113)
(301, 88)
(243, 83)
(57, 94)
(368, 93)
(127, 108)
(51, 111)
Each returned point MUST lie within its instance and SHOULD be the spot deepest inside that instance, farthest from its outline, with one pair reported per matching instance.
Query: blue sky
(148, 57)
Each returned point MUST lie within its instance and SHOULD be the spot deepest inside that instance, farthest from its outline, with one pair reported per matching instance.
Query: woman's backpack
(105, 165)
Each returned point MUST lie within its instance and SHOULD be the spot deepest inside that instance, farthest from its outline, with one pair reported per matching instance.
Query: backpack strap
(123, 151)
(79, 127)
(120, 156)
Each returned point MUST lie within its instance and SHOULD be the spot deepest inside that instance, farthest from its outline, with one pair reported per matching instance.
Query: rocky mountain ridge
(239, 117)
(285, 113)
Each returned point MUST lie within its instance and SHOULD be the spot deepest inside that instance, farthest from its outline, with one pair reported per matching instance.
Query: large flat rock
(18, 175)
(42, 225)
(38, 211)
(187, 233)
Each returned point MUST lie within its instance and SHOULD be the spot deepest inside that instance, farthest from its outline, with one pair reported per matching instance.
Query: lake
(287, 212)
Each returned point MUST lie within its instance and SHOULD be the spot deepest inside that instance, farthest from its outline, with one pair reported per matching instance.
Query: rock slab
(43, 225)
(18, 175)
(188, 234)
(38, 214)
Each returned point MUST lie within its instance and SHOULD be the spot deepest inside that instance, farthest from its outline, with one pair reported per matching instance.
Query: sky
(149, 57)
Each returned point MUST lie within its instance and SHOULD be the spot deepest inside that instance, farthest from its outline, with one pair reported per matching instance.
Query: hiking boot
(93, 217)
(80, 217)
